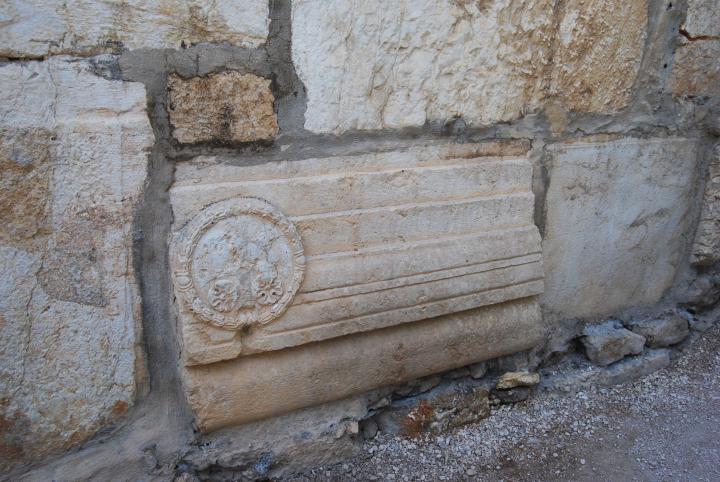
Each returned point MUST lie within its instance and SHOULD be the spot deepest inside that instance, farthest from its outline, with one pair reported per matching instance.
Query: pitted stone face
(238, 263)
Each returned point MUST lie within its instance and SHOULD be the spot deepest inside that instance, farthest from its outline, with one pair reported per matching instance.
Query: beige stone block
(224, 107)
(383, 243)
(264, 385)
(37, 28)
(385, 238)
(696, 67)
(706, 248)
(598, 49)
(73, 151)
(618, 216)
(394, 64)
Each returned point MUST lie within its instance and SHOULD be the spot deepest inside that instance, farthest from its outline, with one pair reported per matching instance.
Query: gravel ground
(665, 426)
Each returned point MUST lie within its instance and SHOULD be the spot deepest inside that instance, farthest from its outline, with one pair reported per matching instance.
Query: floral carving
(238, 263)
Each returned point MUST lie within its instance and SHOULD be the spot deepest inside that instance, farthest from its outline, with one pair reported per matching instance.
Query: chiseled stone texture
(73, 156)
(706, 249)
(617, 220)
(395, 64)
(696, 69)
(391, 245)
(599, 47)
(400, 63)
(36, 28)
(224, 107)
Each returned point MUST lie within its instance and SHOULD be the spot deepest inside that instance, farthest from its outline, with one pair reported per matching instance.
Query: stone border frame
(185, 241)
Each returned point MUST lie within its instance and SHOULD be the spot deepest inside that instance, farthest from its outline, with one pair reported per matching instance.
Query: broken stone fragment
(609, 342)
(512, 395)
(478, 370)
(571, 376)
(517, 379)
(226, 107)
(445, 407)
(663, 331)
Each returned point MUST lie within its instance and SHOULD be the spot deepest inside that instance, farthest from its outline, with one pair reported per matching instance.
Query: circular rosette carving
(238, 263)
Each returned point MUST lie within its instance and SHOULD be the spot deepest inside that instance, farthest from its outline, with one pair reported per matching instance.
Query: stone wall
(234, 230)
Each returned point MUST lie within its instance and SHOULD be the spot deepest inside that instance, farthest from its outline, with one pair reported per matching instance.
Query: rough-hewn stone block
(35, 28)
(609, 342)
(73, 156)
(618, 216)
(395, 64)
(283, 254)
(225, 107)
(401, 63)
(661, 332)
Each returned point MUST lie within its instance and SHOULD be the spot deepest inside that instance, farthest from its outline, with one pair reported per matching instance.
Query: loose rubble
(609, 342)
(661, 332)
(662, 426)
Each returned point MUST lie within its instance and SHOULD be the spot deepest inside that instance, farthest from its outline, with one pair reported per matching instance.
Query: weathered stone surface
(265, 384)
(396, 64)
(661, 332)
(36, 28)
(706, 249)
(517, 379)
(599, 46)
(609, 342)
(696, 68)
(573, 376)
(401, 63)
(269, 449)
(73, 155)
(224, 107)
(445, 407)
(618, 216)
(386, 240)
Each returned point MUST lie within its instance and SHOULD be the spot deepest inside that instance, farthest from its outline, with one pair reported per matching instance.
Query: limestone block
(225, 107)
(661, 332)
(598, 50)
(73, 153)
(618, 216)
(609, 342)
(706, 248)
(393, 64)
(696, 68)
(36, 28)
(266, 384)
(273, 257)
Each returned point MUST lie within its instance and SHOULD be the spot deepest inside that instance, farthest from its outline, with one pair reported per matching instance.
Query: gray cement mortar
(157, 439)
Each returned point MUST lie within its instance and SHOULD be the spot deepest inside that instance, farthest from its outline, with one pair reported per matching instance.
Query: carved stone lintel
(237, 263)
